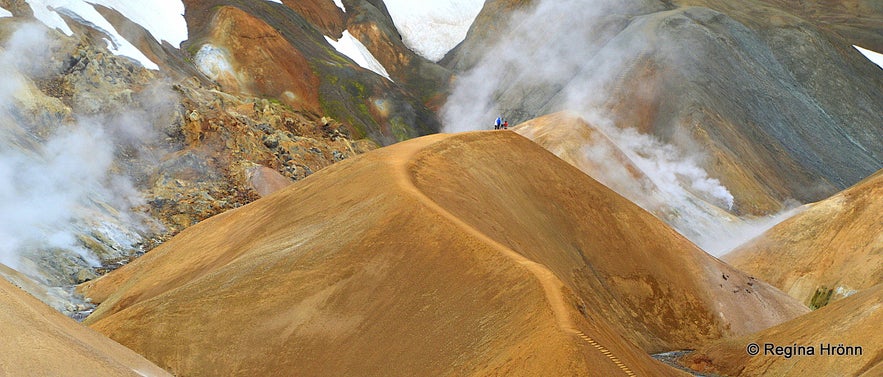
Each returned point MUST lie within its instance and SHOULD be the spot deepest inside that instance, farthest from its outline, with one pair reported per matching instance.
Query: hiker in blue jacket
(498, 123)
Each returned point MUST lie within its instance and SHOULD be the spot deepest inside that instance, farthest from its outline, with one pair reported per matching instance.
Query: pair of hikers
(501, 124)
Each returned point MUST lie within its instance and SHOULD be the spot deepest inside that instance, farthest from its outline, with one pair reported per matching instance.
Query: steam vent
(441, 188)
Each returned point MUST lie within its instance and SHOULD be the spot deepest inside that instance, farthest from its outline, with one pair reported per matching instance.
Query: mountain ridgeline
(286, 190)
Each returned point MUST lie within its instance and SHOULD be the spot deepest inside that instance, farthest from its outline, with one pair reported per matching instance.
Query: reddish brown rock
(266, 181)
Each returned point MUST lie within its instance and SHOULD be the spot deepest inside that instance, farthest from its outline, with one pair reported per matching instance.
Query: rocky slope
(280, 51)
(434, 243)
(111, 159)
(831, 250)
(850, 325)
(39, 341)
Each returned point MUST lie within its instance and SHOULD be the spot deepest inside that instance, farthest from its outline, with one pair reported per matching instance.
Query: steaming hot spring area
(446, 188)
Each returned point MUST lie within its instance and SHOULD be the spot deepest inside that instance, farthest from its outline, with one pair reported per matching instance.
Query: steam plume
(570, 55)
(60, 177)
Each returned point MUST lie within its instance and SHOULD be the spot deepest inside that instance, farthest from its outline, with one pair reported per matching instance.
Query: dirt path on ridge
(552, 286)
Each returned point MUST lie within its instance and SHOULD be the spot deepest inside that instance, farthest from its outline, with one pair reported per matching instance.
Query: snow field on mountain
(351, 47)
(873, 56)
(164, 19)
(432, 28)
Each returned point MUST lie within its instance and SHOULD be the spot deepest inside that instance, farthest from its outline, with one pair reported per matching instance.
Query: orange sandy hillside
(830, 250)
(853, 321)
(617, 259)
(374, 266)
(39, 341)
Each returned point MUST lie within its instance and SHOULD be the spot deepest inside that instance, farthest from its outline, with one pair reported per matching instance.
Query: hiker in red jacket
(505, 124)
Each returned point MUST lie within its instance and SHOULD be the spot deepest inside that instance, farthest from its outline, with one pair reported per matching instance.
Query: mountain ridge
(373, 254)
(268, 192)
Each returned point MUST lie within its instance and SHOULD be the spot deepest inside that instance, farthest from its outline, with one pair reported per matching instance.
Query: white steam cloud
(59, 176)
(41, 193)
(572, 55)
(670, 169)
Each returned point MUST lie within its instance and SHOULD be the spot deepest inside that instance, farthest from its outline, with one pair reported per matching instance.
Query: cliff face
(280, 51)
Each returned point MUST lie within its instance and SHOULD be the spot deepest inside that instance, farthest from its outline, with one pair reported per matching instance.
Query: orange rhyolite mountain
(587, 147)
(841, 339)
(469, 254)
(831, 250)
(39, 341)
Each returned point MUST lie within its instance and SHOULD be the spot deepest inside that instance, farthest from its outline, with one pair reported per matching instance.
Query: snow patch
(340, 5)
(355, 50)
(432, 28)
(5, 13)
(163, 19)
(276, 1)
(873, 56)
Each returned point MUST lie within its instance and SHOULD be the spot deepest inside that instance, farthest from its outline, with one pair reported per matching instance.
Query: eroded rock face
(324, 15)
(372, 25)
(277, 51)
(246, 55)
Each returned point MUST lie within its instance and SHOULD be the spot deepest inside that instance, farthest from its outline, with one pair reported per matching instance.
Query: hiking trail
(552, 286)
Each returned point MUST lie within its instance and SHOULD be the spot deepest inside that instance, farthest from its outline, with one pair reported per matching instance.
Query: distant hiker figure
(505, 124)
(498, 123)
